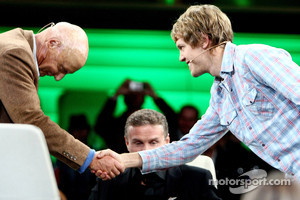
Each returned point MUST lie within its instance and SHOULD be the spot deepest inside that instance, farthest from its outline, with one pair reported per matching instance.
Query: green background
(141, 55)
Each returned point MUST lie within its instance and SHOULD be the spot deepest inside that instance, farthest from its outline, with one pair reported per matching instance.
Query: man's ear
(206, 41)
(53, 43)
(127, 143)
(168, 139)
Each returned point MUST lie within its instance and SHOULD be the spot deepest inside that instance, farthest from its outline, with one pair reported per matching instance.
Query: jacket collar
(29, 37)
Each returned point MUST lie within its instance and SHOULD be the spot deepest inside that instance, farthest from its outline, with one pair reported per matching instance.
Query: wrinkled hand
(103, 174)
(107, 166)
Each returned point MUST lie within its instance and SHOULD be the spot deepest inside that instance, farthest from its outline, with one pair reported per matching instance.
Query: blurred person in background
(187, 117)
(111, 127)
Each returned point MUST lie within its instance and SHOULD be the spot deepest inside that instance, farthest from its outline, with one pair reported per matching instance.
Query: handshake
(108, 164)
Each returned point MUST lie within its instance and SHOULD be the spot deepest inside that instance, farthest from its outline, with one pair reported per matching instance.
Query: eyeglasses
(51, 24)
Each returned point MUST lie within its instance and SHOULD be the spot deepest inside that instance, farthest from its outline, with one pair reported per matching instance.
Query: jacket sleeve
(18, 93)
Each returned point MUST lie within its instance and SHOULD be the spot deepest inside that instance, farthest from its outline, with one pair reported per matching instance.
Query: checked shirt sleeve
(203, 135)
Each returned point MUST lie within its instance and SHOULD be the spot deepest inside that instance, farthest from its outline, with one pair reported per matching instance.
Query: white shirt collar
(34, 56)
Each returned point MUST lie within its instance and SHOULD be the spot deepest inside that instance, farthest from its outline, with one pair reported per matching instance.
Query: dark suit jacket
(19, 100)
(184, 182)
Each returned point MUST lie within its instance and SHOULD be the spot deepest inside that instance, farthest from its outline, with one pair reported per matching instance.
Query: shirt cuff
(146, 163)
(87, 161)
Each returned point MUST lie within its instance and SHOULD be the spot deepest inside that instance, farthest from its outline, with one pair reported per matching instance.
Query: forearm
(131, 160)
(202, 136)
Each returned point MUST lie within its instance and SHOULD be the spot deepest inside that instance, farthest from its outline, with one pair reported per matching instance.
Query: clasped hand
(107, 164)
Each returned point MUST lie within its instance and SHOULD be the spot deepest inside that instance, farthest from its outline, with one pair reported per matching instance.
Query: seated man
(148, 129)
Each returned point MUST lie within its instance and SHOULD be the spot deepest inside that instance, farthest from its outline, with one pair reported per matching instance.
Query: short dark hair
(146, 117)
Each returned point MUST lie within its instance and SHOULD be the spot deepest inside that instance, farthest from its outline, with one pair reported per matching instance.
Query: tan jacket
(19, 100)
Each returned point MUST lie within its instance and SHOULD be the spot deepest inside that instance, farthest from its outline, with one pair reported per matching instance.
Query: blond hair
(200, 20)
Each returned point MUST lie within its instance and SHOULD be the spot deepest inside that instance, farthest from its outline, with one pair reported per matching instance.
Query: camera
(136, 86)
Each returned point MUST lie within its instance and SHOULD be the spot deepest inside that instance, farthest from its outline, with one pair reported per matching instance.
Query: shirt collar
(34, 56)
(227, 62)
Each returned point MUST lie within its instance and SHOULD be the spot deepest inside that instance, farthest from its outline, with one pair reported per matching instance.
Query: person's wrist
(130, 160)
(152, 95)
(123, 158)
(155, 97)
(115, 97)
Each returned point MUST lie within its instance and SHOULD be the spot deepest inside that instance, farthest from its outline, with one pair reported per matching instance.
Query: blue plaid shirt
(258, 100)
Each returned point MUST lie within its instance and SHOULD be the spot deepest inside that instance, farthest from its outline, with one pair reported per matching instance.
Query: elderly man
(58, 50)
